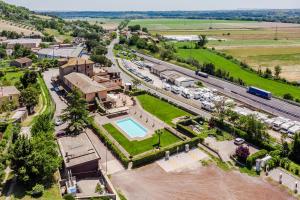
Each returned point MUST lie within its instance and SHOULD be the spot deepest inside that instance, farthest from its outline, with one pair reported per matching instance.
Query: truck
(199, 73)
(259, 92)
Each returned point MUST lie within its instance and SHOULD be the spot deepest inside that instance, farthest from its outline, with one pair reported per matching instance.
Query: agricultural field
(260, 44)
(250, 78)
(106, 23)
(59, 37)
(19, 28)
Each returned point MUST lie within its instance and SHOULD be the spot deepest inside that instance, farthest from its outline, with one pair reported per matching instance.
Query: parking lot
(225, 148)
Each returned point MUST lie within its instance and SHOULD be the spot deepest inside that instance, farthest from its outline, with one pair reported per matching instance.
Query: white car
(58, 122)
(239, 141)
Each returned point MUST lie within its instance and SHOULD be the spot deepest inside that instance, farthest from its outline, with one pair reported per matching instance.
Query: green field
(161, 109)
(177, 24)
(136, 147)
(250, 78)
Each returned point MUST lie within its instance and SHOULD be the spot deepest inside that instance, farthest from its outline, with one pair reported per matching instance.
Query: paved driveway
(225, 148)
(60, 104)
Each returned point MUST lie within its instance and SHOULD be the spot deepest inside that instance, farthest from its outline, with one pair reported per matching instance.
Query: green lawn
(137, 147)
(250, 78)
(59, 36)
(161, 109)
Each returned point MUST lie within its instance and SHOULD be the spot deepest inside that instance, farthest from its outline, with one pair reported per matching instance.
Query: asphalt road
(274, 106)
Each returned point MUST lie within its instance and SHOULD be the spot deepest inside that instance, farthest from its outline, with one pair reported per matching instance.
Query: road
(126, 78)
(274, 106)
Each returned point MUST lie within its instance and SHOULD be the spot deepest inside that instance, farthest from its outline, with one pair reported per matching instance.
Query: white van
(186, 93)
(208, 106)
(175, 89)
(166, 86)
(285, 126)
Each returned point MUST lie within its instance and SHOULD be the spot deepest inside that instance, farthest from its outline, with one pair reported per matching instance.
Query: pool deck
(148, 121)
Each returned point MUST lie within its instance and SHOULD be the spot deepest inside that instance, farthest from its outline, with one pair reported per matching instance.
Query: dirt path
(151, 182)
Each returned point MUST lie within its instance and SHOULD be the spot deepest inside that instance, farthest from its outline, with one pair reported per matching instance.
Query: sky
(153, 5)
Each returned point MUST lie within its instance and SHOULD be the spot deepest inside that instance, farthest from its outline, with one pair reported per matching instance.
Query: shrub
(69, 197)
(37, 190)
(242, 153)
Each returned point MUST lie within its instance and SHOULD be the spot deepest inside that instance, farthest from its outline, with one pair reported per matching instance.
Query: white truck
(175, 89)
(208, 106)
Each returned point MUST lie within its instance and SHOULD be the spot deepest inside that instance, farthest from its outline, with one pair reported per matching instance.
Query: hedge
(242, 134)
(6, 137)
(111, 146)
(252, 158)
(186, 131)
(156, 155)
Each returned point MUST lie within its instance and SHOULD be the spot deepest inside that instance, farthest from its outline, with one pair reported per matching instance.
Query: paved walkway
(182, 160)
(287, 179)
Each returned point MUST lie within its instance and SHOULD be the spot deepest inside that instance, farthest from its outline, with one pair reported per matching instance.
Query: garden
(137, 147)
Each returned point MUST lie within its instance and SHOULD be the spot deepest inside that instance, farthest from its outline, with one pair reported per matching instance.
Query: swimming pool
(132, 128)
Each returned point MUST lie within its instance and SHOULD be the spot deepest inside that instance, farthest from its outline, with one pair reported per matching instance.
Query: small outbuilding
(21, 62)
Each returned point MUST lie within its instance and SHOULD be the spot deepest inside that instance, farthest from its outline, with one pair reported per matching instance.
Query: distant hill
(290, 16)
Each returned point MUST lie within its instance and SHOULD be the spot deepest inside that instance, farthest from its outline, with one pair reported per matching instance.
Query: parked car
(58, 121)
(239, 141)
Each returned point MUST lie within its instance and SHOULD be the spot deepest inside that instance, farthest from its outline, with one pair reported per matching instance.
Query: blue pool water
(132, 128)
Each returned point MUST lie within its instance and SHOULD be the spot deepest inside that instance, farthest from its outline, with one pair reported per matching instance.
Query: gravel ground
(151, 182)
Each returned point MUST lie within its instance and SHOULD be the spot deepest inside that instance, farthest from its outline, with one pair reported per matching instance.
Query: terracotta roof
(77, 61)
(8, 90)
(23, 60)
(84, 83)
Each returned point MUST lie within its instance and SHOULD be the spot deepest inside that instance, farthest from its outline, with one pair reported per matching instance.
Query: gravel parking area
(153, 183)
(225, 148)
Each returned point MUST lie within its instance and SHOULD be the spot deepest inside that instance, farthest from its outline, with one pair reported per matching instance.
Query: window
(10, 98)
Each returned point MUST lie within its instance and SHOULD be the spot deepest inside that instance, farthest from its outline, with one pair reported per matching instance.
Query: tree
(159, 133)
(29, 77)
(100, 50)
(288, 96)
(255, 129)
(43, 124)
(277, 71)
(242, 153)
(166, 54)
(209, 68)
(136, 83)
(141, 43)
(2, 53)
(29, 97)
(202, 41)
(295, 150)
(144, 29)
(76, 113)
(267, 73)
(102, 60)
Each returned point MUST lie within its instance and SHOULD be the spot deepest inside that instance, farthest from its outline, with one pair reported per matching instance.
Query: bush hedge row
(252, 158)
(156, 155)
(111, 146)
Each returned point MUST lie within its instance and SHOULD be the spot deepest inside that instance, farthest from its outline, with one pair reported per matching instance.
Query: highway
(126, 78)
(274, 106)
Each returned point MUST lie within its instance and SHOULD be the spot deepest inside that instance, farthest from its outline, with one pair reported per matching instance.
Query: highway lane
(274, 106)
